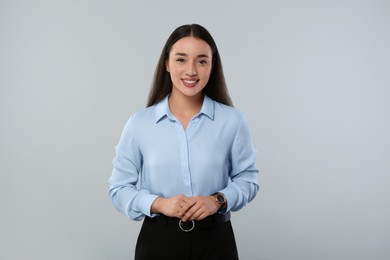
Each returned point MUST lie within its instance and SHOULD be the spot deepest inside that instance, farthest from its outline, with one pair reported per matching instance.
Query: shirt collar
(208, 107)
(162, 109)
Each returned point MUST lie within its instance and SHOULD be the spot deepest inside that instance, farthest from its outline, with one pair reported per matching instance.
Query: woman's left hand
(200, 207)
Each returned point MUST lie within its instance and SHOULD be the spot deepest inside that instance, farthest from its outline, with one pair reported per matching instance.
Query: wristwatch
(220, 198)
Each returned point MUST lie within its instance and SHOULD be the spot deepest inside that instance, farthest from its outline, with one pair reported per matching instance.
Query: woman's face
(189, 64)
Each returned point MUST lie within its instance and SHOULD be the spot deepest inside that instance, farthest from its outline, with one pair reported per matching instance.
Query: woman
(186, 161)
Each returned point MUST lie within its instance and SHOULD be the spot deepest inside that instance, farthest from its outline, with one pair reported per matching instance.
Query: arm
(243, 186)
(125, 196)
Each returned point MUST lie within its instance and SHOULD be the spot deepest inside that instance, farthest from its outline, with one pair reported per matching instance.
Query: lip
(190, 83)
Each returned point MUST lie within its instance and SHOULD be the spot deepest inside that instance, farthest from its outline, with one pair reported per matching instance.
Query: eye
(180, 60)
(203, 62)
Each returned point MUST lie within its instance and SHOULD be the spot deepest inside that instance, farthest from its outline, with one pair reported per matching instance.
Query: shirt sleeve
(126, 197)
(243, 186)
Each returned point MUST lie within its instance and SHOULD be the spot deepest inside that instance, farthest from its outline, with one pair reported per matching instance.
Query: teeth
(190, 81)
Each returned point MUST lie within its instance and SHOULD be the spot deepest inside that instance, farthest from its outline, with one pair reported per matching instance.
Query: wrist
(155, 208)
(220, 199)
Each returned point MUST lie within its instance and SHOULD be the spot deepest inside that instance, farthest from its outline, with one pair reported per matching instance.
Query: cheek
(170, 66)
(206, 73)
(174, 73)
(177, 72)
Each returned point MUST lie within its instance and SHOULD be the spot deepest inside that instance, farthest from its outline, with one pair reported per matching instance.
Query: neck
(180, 104)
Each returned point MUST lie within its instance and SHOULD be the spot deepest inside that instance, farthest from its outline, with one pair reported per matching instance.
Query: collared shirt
(156, 156)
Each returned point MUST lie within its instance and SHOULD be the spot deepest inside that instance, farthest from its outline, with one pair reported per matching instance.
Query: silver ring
(186, 230)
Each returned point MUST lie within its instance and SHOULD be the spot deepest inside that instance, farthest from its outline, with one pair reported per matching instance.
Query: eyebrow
(199, 56)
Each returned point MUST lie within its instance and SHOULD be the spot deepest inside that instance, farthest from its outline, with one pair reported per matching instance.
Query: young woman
(187, 160)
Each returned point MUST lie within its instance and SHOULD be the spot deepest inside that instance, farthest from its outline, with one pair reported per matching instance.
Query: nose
(191, 69)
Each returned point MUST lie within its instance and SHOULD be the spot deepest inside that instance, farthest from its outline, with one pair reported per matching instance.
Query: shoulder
(231, 118)
(144, 114)
(227, 112)
(142, 118)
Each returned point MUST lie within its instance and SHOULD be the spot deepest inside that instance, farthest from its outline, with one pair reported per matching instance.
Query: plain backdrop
(312, 77)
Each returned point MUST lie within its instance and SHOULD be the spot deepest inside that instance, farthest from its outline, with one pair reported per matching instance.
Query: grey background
(312, 78)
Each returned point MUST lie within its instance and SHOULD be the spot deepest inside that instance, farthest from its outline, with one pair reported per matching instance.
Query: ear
(167, 65)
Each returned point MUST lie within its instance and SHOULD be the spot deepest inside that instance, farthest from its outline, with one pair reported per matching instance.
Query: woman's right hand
(176, 206)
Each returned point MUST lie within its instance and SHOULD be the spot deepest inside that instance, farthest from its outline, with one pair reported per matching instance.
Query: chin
(192, 93)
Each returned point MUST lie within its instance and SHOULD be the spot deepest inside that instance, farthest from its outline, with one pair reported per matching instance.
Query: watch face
(220, 198)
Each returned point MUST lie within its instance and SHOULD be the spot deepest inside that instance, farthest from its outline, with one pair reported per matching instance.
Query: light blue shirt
(156, 156)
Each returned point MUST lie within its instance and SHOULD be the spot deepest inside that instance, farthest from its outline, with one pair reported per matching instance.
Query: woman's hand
(176, 206)
(200, 207)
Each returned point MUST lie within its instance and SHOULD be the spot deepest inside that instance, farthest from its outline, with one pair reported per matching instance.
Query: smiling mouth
(190, 83)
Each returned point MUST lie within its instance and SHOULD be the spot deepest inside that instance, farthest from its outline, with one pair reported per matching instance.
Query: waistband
(191, 225)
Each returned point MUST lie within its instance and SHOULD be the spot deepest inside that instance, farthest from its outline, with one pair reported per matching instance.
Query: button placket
(184, 158)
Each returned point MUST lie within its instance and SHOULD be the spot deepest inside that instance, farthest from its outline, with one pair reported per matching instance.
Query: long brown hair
(216, 86)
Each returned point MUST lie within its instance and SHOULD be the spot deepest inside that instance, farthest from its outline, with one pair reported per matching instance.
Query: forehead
(191, 46)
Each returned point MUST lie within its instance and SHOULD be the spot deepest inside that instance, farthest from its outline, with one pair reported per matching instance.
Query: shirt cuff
(231, 199)
(146, 204)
